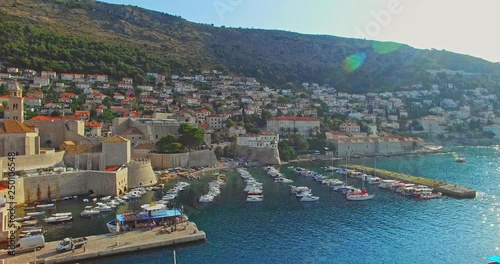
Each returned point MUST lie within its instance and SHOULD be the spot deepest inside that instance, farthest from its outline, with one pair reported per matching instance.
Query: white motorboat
(36, 213)
(359, 197)
(24, 218)
(45, 205)
(386, 184)
(119, 200)
(58, 219)
(134, 195)
(302, 194)
(169, 197)
(309, 198)
(255, 198)
(103, 208)
(295, 189)
(62, 214)
(105, 198)
(206, 199)
(255, 191)
(89, 213)
(85, 200)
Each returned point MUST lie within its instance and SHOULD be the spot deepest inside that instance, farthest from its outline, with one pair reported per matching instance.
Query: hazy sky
(461, 26)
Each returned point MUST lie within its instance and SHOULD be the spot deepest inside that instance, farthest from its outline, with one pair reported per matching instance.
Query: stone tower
(15, 109)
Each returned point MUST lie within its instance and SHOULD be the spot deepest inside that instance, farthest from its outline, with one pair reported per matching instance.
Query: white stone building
(350, 127)
(262, 140)
(304, 125)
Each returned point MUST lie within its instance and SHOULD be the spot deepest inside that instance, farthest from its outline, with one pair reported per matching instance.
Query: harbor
(112, 244)
(255, 218)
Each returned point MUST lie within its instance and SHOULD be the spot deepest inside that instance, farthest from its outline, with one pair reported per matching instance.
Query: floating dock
(111, 244)
(448, 189)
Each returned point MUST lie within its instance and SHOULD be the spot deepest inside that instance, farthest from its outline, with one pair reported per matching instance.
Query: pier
(448, 189)
(111, 244)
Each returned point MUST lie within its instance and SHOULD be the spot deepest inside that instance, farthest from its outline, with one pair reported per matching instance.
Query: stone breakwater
(445, 188)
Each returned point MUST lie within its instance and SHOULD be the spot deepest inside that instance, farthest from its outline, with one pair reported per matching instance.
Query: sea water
(388, 229)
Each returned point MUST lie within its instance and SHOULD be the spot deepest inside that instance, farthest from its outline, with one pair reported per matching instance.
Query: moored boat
(24, 218)
(255, 198)
(58, 219)
(309, 198)
(29, 223)
(153, 211)
(359, 196)
(45, 205)
(89, 213)
(61, 214)
(36, 213)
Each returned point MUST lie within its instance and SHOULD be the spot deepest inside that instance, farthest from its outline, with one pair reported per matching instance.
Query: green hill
(89, 36)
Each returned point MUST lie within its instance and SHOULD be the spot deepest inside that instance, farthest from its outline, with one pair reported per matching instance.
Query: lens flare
(354, 61)
(385, 47)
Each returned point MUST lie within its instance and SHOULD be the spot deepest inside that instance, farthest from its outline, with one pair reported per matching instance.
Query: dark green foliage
(168, 143)
(189, 136)
(27, 46)
(286, 152)
(130, 41)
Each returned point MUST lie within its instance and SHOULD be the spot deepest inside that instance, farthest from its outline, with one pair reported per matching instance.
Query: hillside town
(227, 106)
(95, 135)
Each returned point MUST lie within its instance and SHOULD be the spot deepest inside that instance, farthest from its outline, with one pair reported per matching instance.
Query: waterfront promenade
(111, 244)
(445, 188)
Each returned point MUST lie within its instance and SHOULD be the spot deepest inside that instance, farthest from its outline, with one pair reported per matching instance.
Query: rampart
(190, 159)
(32, 162)
(269, 156)
(58, 185)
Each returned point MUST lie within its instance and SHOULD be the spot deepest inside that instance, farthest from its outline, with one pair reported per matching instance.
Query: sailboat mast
(175, 258)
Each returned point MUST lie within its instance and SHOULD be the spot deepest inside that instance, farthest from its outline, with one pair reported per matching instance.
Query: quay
(111, 244)
(448, 189)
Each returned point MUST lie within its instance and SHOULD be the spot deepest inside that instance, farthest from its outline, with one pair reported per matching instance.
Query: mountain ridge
(276, 57)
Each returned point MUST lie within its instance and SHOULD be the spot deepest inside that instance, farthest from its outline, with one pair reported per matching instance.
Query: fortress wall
(196, 158)
(58, 185)
(32, 162)
(268, 156)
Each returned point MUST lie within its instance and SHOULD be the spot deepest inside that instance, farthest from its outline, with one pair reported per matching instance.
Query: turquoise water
(387, 229)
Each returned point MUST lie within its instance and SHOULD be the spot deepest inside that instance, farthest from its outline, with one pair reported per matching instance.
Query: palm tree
(295, 130)
(288, 130)
(282, 131)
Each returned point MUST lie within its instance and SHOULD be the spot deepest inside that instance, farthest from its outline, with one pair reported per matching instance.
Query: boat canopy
(493, 258)
(168, 213)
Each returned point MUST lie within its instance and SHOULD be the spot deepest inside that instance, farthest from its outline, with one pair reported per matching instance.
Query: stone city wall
(58, 185)
(195, 158)
(269, 156)
(32, 162)
(85, 161)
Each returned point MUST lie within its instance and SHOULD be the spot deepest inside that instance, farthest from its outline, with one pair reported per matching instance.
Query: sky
(461, 26)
